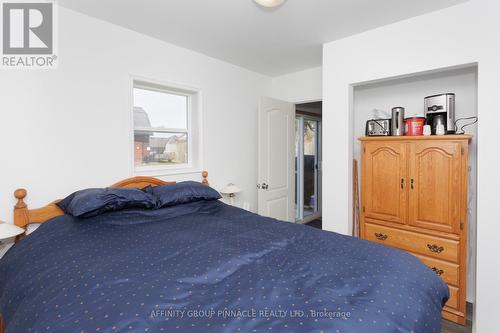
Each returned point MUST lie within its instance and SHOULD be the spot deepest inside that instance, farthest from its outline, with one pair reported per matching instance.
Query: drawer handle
(438, 271)
(435, 248)
(380, 236)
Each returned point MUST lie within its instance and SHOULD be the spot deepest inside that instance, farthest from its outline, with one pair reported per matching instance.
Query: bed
(205, 266)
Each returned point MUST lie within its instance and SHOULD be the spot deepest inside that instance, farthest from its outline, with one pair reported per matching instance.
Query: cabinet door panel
(384, 184)
(435, 185)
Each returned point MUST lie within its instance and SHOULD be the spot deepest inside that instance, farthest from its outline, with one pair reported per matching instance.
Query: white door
(276, 185)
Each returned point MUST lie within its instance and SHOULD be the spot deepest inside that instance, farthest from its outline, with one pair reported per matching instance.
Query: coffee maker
(440, 110)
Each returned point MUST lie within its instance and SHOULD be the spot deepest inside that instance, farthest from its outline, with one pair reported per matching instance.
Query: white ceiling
(269, 41)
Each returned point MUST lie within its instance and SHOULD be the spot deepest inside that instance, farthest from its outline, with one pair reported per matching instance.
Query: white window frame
(194, 128)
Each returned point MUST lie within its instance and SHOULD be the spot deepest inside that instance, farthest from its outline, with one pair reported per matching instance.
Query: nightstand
(7, 231)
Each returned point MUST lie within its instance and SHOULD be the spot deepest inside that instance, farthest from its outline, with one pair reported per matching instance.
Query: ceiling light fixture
(269, 3)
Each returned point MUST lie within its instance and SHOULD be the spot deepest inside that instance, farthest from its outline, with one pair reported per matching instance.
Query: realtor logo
(28, 34)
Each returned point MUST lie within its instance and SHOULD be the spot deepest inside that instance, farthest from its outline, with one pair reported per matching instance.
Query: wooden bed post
(204, 174)
(21, 213)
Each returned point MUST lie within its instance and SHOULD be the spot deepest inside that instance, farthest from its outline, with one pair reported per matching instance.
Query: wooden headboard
(24, 216)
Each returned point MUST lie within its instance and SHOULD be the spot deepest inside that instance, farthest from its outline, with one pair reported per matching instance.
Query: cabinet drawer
(453, 300)
(431, 246)
(448, 271)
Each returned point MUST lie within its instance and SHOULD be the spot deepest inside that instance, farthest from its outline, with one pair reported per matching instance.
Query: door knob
(265, 186)
(258, 186)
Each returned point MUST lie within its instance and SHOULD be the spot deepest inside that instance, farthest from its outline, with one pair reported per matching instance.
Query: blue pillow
(181, 193)
(95, 201)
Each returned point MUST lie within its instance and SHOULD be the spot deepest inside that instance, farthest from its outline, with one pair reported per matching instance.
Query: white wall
(463, 34)
(409, 93)
(303, 86)
(69, 128)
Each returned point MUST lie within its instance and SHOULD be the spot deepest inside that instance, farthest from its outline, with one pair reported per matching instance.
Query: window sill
(158, 172)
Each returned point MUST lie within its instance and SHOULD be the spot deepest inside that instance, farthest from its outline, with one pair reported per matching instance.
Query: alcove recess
(409, 92)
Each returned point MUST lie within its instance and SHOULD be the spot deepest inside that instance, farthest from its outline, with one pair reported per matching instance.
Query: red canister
(414, 126)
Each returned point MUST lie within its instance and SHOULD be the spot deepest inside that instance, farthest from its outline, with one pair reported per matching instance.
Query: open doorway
(308, 162)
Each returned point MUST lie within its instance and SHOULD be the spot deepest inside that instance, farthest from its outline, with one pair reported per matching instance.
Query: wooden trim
(413, 138)
(356, 219)
(2, 328)
(24, 216)
(463, 229)
(454, 316)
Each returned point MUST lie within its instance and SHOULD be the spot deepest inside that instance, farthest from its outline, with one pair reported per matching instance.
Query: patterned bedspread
(210, 267)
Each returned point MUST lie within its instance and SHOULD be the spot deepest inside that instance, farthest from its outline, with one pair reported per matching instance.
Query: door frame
(319, 157)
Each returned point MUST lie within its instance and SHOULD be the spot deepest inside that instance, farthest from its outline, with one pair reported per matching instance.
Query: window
(164, 127)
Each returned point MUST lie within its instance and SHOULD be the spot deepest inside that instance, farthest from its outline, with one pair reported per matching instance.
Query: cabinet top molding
(417, 138)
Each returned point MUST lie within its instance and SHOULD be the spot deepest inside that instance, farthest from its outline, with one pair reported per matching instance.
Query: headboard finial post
(21, 214)
(204, 174)
(20, 194)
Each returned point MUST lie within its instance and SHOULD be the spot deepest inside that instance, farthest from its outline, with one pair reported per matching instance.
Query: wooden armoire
(414, 197)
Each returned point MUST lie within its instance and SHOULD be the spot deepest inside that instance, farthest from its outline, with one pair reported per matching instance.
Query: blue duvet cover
(210, 267)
